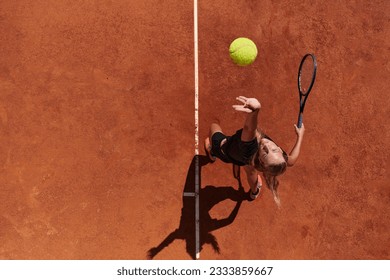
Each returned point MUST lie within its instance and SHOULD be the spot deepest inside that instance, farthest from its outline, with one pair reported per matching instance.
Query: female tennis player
(252, 149)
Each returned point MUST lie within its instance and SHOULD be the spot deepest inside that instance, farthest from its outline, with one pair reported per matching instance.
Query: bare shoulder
(291, 161)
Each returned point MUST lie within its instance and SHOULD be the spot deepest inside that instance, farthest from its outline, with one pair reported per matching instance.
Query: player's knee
(215, 127)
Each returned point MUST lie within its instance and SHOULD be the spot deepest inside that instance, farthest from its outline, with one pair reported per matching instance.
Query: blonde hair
(270, 173)
(273, 184)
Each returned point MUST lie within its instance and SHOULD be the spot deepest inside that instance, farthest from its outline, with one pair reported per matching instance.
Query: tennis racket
(306, 77)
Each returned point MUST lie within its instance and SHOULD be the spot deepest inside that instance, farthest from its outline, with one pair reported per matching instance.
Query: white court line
(196, 63)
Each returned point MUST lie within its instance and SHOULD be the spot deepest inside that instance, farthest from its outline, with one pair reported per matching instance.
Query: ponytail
(273, 183)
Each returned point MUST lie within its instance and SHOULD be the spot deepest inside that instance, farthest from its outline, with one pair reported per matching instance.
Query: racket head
(307, 74)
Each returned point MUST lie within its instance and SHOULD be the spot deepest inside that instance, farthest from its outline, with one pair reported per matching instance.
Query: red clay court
(97, 129)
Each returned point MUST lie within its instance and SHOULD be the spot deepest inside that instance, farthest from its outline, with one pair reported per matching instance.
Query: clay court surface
(97, 129)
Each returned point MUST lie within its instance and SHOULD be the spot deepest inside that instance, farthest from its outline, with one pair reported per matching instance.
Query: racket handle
(300, 117)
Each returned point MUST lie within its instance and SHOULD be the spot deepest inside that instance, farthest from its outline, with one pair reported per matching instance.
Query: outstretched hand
(249, 104)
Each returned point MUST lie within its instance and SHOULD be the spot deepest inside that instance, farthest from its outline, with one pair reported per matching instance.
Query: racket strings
(306, 75)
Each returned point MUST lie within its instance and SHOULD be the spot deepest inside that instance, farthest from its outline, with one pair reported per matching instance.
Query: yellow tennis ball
(243, 51)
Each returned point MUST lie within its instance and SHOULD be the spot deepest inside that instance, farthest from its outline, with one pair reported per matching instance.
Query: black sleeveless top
(241, 152)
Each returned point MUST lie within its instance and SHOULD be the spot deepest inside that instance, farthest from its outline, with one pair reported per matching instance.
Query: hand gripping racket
(306, 77)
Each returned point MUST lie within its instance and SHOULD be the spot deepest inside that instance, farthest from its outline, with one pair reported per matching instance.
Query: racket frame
(303, 96)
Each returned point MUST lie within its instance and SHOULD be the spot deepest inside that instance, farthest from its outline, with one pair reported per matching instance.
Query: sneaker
(252, 195)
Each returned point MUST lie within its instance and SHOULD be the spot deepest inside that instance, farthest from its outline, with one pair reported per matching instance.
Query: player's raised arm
(252, 107)
(294, 154)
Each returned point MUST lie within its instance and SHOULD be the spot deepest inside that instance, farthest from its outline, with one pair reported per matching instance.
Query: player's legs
(213, 129)
(207, 142)
(214, 142)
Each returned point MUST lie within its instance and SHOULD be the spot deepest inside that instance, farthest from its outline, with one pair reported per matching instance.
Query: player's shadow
(208, 197)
